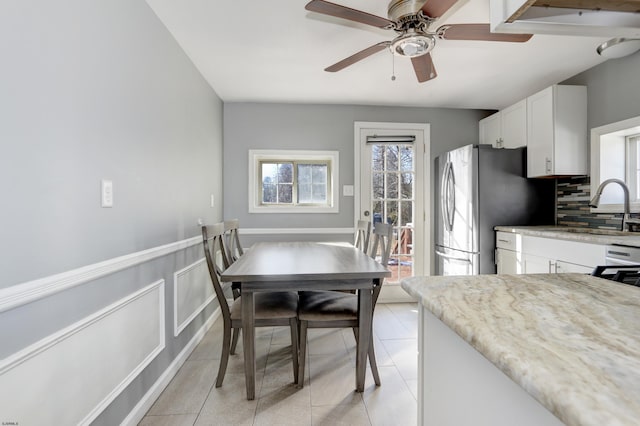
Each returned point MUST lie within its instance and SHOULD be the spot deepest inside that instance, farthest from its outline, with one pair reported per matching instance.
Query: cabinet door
(507, 262)
(564, 267)
(514, 125)
(540, 136)
(537, 265)
(490, 128)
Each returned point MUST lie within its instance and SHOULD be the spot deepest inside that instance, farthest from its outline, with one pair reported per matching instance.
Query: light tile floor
(328, 397)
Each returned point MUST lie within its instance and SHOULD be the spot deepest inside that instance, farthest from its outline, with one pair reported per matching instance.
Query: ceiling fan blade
(424, 68)
(358, 56)
(437, 8)
(344, 12)
(478, 32)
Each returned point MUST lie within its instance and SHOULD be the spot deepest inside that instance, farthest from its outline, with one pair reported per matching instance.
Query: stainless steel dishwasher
(622, 265)
(621, 255)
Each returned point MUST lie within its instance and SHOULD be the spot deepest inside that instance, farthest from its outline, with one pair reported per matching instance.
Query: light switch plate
(107, 193)
(347, 190)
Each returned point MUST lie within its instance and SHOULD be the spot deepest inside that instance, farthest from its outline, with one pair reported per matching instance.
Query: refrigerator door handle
(457, 259)
(451, 196)
(448, 196)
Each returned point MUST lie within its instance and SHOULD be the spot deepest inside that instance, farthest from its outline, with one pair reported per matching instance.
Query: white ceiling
(276, 51)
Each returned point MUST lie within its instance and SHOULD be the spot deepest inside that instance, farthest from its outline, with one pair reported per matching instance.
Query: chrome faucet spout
(595, 201)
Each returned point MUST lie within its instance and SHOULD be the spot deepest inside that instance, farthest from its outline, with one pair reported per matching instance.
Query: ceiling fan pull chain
(393, 67)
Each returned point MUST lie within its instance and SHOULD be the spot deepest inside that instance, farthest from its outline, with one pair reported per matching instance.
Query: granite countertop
(585, 235)
(572, 341)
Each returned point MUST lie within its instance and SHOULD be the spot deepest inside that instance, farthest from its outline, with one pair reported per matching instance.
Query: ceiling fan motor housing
(400, 8)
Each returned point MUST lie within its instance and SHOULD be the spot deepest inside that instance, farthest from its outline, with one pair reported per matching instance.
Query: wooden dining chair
(334, 309)
(361, 239)
(271, 308)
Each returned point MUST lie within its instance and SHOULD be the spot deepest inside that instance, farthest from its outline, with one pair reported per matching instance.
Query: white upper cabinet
(506, 128)
(490, 131)
(557, 132)
(514, 125)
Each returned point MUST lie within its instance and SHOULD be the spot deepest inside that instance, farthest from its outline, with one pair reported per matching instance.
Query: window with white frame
(633, 166)
(293, 181)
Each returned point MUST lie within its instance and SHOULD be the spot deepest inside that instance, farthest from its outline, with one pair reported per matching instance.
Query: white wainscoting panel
(70, 377)
(192, 292)
(21, 294)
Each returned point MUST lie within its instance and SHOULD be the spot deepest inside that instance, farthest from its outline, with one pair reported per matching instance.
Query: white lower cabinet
(508, 255)
(533, 264)
(508, 261)
(563, 267)
(522, 254)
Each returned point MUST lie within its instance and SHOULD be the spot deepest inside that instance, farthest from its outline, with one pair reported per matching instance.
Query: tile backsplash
(573, 196)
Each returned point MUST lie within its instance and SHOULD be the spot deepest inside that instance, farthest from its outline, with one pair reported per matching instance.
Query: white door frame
(423, 230)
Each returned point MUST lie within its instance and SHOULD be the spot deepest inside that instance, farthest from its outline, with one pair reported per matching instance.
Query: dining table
(299, 266)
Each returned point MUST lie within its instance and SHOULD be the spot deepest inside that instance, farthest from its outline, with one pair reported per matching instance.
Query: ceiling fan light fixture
(413, 44)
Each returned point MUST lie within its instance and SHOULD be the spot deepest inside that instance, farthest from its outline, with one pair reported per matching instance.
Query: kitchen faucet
(626, 218)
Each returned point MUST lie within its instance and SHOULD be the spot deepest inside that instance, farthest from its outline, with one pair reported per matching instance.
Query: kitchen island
(528, 349)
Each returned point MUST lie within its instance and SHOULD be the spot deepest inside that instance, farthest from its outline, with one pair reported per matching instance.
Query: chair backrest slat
(363, 231)
(381, 249)
(213, 243)
(232, 240)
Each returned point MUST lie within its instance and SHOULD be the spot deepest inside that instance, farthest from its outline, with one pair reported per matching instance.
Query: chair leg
(293, 324)
(234, 340)
(302, 352)
(373, 363)
(224, 358)
(372, 358)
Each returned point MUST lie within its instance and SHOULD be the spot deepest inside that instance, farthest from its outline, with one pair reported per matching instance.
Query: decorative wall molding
(107, 349)
(192, 292)
(144, 405)
(267, 231)
(17, 295)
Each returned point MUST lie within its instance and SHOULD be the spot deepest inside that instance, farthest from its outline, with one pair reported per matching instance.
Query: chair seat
(269, 305)
(327, 306)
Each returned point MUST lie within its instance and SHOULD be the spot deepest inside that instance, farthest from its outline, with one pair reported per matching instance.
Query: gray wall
(325, 127)
(613, 94)
(93, 90)
(613, 90)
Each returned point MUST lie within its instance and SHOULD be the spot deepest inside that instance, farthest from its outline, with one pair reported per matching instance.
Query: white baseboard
(144, 405)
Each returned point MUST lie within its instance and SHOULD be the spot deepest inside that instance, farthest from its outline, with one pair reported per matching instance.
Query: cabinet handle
(548, 165)
(503, 241)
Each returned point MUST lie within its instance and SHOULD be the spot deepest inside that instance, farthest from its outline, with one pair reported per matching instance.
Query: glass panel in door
(393, 201)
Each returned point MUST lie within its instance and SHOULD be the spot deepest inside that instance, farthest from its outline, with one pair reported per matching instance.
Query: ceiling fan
(411, 19)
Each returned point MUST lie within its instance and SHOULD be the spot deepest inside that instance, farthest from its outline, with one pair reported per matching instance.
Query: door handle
(448, 196)
(451, 205)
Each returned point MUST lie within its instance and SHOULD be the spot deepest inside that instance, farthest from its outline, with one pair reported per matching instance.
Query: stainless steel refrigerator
(477, 188)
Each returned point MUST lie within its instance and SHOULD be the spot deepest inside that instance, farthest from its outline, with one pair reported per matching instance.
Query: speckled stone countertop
(594, 236)
(572, 341)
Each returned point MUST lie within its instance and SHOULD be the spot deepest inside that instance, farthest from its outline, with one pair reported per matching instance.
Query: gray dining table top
(284, 261)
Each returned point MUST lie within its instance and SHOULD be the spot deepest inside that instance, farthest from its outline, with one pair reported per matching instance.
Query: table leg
(248, 341)
(365, 308)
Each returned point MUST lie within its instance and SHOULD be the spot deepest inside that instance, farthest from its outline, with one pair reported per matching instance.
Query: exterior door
(392, 184)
